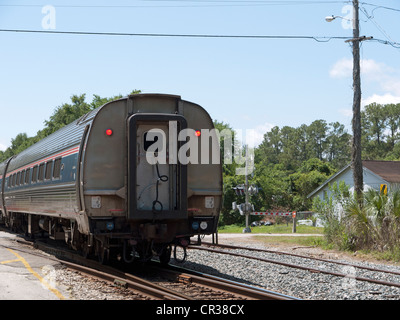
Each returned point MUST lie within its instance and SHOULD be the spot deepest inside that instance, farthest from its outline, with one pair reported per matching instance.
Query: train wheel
(85, 250)
(165, 255)
(128, 252)
(102, 252)
(180, 253)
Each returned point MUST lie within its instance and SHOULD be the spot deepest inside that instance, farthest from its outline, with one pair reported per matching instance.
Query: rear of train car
(132, 179)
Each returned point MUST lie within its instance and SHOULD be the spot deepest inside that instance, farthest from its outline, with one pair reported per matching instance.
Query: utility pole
(356, 162)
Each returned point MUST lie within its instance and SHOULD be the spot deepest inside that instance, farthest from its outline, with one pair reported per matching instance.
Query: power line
(316, 38)
(209, 3)
(389, 40)
(176, 35)
(379, 7)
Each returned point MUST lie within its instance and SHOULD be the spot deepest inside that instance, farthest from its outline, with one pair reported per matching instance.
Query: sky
(248, 83)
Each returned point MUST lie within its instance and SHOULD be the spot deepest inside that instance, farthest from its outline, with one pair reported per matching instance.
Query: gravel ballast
(295, 282)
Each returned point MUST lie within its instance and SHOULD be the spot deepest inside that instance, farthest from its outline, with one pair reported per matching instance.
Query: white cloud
(3, 147)
(342, 69)
(346, 112)
(381, 99)
(384, 79)
(254, 136)
(369, 68)
(259, 131)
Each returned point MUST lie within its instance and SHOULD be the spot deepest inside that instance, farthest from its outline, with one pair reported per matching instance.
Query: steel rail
(214, 282)
(182, 275)
(148, 288)
(110, 274)
(228, 246)
(286, 264)
(129, 281)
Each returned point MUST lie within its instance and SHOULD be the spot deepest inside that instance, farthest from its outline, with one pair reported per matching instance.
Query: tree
(337, 145)
(375, 117)
(392, 112)
(316, 132)
(309, 176)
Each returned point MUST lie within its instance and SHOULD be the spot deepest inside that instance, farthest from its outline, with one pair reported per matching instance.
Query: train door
(153, 174)
(157, 181)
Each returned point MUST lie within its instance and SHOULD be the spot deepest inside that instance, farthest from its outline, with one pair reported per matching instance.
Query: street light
(330, 18)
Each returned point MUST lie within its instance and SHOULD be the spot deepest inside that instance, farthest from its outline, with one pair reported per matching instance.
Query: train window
(28, 171)
(21, 182)
(34, 173)
(41, 171)
(49, 166)
(13, 179)
(57, 168)
(18, 178)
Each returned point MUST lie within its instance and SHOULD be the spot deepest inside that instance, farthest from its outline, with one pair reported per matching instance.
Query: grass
(276, 228)
(301, 241)
(280, 229)
(318, 241)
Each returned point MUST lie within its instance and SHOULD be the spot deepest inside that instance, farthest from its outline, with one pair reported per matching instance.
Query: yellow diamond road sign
(383, 189)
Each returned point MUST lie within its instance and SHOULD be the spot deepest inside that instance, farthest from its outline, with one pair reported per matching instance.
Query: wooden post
(356, 162)
(294, 222)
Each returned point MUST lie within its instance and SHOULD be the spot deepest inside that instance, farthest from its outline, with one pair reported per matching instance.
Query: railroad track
(212, 248)
(206, 286)
(240, 291)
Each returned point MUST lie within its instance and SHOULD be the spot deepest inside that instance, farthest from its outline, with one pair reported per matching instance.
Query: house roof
(387, 170)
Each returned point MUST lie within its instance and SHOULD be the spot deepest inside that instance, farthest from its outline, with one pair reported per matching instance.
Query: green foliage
(375, 225)
(380, 131)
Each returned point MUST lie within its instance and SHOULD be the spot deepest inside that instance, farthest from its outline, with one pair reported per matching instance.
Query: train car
(131, 179)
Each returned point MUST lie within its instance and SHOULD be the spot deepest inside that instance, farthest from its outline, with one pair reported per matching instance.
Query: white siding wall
(370, 181)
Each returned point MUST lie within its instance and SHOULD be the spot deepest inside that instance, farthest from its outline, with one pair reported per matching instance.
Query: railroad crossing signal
(241, 191)
(383, 189)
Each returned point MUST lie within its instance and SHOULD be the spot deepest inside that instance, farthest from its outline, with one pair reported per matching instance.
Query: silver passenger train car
(131, 179)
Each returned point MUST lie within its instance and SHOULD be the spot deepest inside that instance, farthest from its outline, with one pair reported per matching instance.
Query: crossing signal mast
(246, 190)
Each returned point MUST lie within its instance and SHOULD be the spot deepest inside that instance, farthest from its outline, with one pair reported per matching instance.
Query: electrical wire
(389, 40)
(192, 3)
(316, 38)
(379, 7)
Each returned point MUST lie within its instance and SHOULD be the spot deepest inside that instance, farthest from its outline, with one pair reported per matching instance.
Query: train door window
(27, 173)
(34, 174)
(57, 168)
(49, 167)
(18, 178)
(147, 142)
(41, 171)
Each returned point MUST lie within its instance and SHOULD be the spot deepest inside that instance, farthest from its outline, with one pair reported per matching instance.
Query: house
(376, 175)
